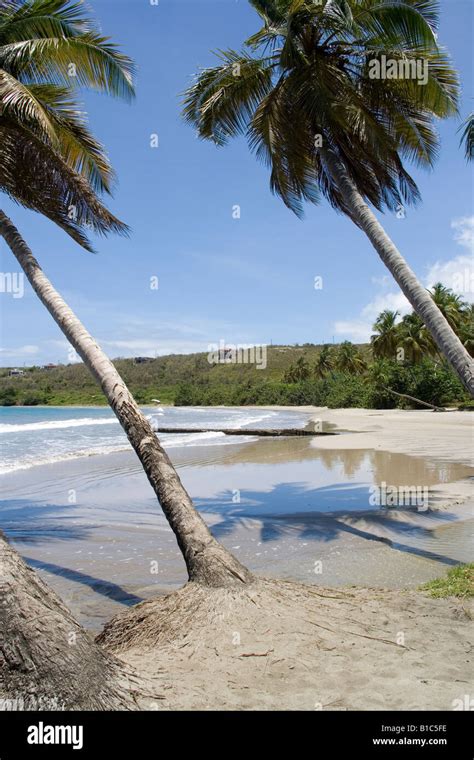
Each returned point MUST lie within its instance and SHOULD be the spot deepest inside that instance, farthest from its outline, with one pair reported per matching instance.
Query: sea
(32, 436)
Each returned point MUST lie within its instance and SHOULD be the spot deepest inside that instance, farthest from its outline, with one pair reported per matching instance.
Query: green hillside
(291, 377)
(159, 378)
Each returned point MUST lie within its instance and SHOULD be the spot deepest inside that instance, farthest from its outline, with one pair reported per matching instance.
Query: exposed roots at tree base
(47, 660)
(281, 645)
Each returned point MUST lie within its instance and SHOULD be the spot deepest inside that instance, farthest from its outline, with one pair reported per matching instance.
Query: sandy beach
(291, 509)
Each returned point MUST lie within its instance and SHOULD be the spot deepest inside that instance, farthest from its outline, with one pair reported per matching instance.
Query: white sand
(447, 436)
(287, 646)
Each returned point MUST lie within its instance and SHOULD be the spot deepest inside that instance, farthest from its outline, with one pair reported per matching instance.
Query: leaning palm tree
(50, 162)
(313, 95)
(386, 335)
(466, 329)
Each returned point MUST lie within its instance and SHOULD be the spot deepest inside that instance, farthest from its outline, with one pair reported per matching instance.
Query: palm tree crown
(303, 90)
(349, 359)
(49, 161)
(386, 338)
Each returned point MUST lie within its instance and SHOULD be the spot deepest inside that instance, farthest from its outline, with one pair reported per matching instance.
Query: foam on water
(53, 425)
(33, 436)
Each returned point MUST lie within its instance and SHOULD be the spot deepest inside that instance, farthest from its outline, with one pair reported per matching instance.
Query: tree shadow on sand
(26, 522)
(99, 585)
(32, 524)
(315, 515)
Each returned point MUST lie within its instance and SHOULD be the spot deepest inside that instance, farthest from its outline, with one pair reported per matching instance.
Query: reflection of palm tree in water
(403, 530)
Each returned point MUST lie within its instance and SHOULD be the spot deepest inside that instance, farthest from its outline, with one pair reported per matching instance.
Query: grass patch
(458, 582)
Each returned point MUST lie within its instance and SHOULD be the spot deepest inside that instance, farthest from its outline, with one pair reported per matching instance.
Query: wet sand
(288, 508)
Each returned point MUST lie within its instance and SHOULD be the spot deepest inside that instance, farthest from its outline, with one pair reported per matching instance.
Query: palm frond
(19, 103)
(467, 137)
(49, 160)
(34, 175)
(224, 98)
(78, 147)
(86, 61)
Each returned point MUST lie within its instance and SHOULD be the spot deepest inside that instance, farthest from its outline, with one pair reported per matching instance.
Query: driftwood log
(270, 432)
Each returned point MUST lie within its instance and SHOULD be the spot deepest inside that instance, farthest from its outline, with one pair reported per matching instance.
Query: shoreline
(440, 437)
(337, 581)
(300, 501)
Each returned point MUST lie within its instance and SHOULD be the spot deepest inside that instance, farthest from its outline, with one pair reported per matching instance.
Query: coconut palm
(324, 363)
(309, 93)
(387, 335)
(466, 329)
(414, 339)
(349, 359)
(467, 137)
(50, 162)
(450, 305)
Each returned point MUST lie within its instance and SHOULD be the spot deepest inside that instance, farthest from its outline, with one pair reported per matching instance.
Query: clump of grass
(458, 582)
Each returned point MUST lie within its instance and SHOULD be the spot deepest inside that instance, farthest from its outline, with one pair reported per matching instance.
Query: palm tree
(298, 371)
(450, 305)
(348, 359)
(310, 95)
(387, 335)
(49, 162)
(414, 340)
(467, 137)
(324, 363)
(466, 329)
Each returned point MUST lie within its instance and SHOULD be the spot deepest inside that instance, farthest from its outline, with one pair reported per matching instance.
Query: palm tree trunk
(47, 660)
(207, 561)
(417, 400)
(446, 339)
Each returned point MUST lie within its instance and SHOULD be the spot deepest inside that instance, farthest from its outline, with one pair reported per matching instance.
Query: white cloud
(356, 331)
(20, 355)
(359, 330)
(382, 281)
(21, 351)
(393, 301)
(464, 234)
(158, 347)
(456, 273)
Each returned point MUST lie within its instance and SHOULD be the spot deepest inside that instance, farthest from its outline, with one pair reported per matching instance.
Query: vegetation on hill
(401, 359)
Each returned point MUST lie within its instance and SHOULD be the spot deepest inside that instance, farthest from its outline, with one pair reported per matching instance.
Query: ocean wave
(55, 425)
(169, 442)
(27, 464)
(230, 422)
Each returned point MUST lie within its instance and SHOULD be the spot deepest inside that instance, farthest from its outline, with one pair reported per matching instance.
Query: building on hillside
(142, 359)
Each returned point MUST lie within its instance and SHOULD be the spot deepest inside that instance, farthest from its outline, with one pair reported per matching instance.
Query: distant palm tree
(310, 95)
(387, 335)
(467, 138)
(450, 305)
(349, 359)
(324, 363)
(49, 162)
(298, 371)
(414, 340)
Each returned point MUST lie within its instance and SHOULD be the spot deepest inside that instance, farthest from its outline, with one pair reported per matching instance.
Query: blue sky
(247, 280)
